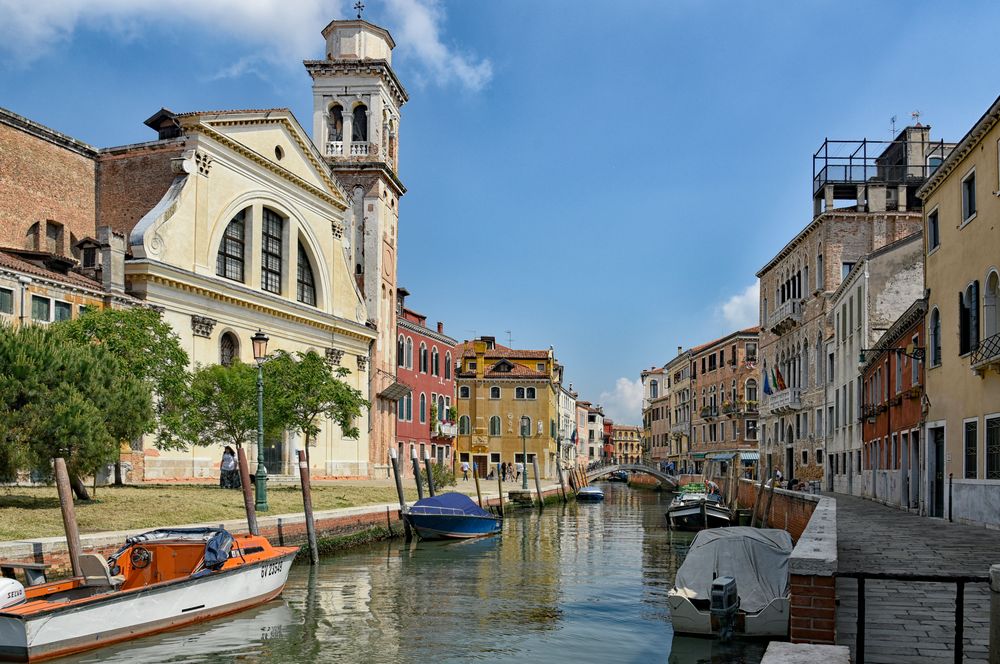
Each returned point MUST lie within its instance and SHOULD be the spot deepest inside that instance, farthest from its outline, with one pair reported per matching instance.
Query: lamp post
(259, 341)
(525, 425)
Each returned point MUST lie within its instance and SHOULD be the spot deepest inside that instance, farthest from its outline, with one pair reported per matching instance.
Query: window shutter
(974, 317)
(963, 325)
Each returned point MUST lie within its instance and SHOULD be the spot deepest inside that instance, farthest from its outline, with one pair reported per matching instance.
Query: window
(845, 269)
(463, 425)
(447, 366)
(401, 351)
(270, 265)
(442, 411)
(751, 351)
(525, 426)
(423, 407)
(422, 358)
(519, 393)
(463, 392)
(229, 260)
(305, 286)
(409, 407)
(935, 331)
(933, 163)
(409, 353)
(993, 448)
(915, 364)
(6, 301)
(229, 348)
(494, 392)
(40, 308)
(401, 409)
(805, 457)
(89, 257)
(435, 362)
(494, 426)
(968, 197)
(991, 312)
(819, 457)
(359, 133)
(540, 367)
(971, 448)
(968, 319)
(751, 426)
(530, 393)
(336, 123)
(63, 311)
(819, 271)
(899, 372)
(933, 232)
(654, 389)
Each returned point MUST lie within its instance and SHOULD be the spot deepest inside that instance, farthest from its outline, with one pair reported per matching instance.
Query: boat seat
(95, 571)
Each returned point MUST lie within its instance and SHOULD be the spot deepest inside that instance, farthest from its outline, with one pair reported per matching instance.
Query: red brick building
(426, 364)
(892, 409)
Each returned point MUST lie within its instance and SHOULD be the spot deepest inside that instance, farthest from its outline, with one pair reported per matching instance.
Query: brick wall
(788, 511)
(814, 609)
(43, 179)
(132, 182)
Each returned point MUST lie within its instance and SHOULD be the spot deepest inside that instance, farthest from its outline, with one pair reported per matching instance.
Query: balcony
(987, 355)
(359, 149)
(740, 407)
(680, 427)
(785, 401)
(708, 412)
(785, 317)
(446, 430)
(335, 149)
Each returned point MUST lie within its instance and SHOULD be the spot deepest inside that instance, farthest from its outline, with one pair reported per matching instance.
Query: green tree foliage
(147, 349)
(59, 398)
(222, 405)
(308, 390)
(443, 476)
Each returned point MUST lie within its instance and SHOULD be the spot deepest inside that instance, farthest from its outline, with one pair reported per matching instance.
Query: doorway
(937, 453)
(789, 460)
(915, 469)
(481, 464)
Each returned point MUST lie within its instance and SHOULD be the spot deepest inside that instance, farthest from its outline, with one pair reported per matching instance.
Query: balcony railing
(786, 316)
(446, 430)
(739, 407)
(708, 412)
(359, 149)
(680, 427)
(335, 149)
(987, 355)
(785, 401)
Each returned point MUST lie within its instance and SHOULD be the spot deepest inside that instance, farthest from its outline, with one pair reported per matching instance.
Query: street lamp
(525, 426)
(259, 341)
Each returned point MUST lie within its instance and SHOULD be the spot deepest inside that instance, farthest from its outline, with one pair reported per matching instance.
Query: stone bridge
(601, 471)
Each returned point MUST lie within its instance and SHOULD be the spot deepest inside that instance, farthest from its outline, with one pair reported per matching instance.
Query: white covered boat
(158, 581)
(757, 559)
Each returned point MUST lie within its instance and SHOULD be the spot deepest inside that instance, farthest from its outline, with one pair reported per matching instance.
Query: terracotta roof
(750, 330)
(12, 262)
(466, 349)
(517, 371)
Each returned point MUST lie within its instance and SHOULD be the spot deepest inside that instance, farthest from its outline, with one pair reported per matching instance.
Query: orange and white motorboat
(157, 581)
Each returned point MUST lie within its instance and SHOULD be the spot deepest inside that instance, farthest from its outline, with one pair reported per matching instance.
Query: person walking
(229, 475)
(465, 471)
(520, 469)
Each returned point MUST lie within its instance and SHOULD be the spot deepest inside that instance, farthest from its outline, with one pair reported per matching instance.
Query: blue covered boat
(451, 516)
(590, 493)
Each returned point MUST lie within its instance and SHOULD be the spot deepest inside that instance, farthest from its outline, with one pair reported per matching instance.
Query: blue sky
(602, 177)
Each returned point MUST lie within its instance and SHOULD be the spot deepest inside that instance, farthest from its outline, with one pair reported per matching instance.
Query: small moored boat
(724, 564)
(157, 581)
(694, 509)
(451, 516)
(590, 493)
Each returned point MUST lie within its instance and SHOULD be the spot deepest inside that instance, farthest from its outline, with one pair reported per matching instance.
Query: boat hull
(697, 516)
(131, 614)
(772, 620)
(448, 526)
(590, 494)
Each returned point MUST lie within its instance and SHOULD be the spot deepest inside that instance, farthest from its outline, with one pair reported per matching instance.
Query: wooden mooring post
(562, 485)
(68, 515)
(399, 492)
(416, 474)
(307, 505)
(248, 504)
(538, 483)
(430, 475)
(479, 495)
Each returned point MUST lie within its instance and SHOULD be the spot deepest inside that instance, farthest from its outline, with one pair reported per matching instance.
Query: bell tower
(356, 110)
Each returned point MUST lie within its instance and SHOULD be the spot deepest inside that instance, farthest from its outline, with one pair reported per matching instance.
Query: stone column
(348, 130)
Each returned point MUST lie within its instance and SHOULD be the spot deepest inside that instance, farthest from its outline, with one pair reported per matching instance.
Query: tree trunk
(118, 473)
(79, 488)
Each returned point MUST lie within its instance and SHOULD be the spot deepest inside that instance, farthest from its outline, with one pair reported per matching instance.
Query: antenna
(916, 116)
(510, 339)
(892, 121)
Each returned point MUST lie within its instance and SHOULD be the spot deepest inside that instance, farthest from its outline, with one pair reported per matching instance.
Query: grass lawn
(28, 512)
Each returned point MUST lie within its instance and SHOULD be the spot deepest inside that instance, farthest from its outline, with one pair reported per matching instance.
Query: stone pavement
(911, 622)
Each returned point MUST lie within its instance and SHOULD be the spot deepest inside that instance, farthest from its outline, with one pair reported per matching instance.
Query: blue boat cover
(449, 501)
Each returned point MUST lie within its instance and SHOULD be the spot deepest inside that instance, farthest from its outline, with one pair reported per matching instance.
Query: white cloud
(274, 33)
(741, 310)
(623, 404)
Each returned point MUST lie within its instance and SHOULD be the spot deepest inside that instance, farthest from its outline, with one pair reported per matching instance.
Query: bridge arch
(636, 467)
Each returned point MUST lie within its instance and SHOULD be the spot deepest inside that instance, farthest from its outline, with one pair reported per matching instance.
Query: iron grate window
(306, 286)
(993, 449)
(229, 260)
(971, 443)
(270, 271)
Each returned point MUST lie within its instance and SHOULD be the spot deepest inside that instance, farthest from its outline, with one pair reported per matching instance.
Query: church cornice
(201, 127)
(380, 68)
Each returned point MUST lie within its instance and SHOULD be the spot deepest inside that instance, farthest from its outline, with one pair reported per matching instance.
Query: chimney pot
(440, 327)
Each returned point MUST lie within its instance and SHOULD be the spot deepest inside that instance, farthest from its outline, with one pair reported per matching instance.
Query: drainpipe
(25, 281)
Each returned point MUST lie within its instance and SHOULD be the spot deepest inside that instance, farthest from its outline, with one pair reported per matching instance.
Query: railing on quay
(960, 580)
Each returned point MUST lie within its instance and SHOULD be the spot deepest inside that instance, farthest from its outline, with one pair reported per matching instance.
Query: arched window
(409, 353)
(435, 362)
(494, 392)
(423, 357)
(525, 426)
(229, 260)
(359, 133)
(935, 333)
(529, 393)
(463, 392)
(494, 426)
(423, 407)
(463, 425)
(750, 390)
(442, 416)
(271, 252)
(401, 351)
(447, 366)
(519, 393)
(306, 286)
(968, 321)
(409, 407)
(229, 349)
(336, 123)
(991, 312)
(654, 389)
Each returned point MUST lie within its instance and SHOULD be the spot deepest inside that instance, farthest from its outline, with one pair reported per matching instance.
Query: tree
(222, 405)
(59, 398)
(308, 390)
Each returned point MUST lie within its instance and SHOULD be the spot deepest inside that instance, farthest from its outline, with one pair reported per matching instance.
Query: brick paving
(911, 622)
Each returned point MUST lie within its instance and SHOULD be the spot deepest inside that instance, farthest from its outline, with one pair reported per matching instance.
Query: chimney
(680, 349)
(491, 342)
(440, 327)
(112, 259)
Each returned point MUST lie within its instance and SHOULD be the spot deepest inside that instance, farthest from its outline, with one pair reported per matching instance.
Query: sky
(604, 178)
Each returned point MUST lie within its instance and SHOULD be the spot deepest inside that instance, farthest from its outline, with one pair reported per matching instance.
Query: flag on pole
(779, 380)
(767, 384)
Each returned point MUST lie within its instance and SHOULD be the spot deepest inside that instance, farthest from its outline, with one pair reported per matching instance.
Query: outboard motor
(11, 592)
(724, 603)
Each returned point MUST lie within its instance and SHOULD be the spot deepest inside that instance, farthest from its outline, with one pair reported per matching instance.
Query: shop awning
(752, 455)
(721, 456)
(698, 455)
(395, 392)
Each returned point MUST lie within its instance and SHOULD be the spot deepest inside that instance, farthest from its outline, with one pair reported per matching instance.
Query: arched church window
(336, 121)
(359, 133)
(306, 286)
(271, 252)
(229, 349)
(229, 260)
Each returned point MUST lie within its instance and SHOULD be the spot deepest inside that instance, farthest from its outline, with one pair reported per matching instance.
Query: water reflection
(580, 582)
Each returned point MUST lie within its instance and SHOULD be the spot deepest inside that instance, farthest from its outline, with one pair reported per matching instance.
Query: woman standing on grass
(229, 474)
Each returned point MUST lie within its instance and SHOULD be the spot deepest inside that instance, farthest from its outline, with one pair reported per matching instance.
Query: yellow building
(627, 443)
(497, 388)
(962, 279)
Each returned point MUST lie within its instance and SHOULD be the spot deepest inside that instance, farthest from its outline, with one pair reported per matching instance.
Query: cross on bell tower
(360, 7)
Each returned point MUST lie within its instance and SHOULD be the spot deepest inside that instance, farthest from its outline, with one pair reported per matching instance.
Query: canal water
(575, 583)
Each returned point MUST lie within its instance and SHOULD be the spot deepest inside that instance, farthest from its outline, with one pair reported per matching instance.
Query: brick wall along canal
(576, 583)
